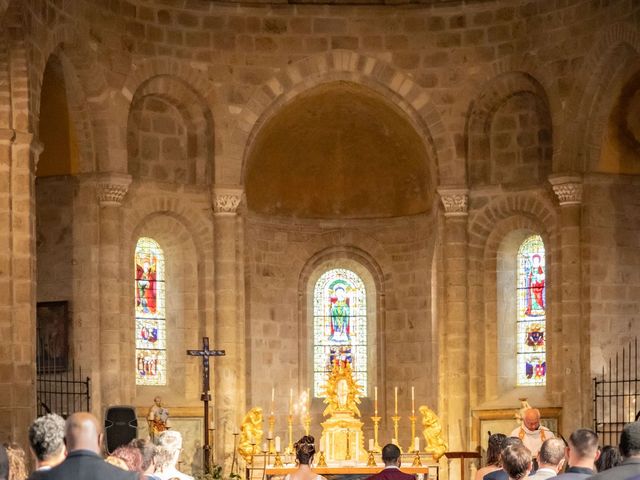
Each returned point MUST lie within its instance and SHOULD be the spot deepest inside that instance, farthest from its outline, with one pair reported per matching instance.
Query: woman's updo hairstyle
(305, 450)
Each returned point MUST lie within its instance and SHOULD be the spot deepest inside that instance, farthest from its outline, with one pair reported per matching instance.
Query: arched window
(339, 325)
(531, 313)
(151, 346)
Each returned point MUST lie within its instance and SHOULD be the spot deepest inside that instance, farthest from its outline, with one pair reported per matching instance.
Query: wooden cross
(205, 353)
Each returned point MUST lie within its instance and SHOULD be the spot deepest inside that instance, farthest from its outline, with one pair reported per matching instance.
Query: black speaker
(120, 426)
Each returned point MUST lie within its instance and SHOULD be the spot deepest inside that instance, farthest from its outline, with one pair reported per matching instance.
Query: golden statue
(251, 434)
(342, 438)
(342, 393)
(432, 433)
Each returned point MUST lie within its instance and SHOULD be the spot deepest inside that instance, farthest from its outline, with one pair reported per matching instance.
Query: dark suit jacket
(629, 468)
(84, 465)
(392, 473)
(496, 475)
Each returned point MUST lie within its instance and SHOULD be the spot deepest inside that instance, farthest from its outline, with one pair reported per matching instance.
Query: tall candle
(375, 400)
(416, 443)
(291, 401)
(395, 393)
(413, 401)
(371, 444)
(278, 444)
(273, 399)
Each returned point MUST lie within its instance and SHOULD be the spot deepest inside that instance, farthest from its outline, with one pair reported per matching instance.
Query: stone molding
(226, 200)
(112, 188)
(455, 201)
(568, 189)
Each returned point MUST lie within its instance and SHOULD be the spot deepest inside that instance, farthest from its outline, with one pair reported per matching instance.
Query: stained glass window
(531, 311)
(339, 326)
(151, 343)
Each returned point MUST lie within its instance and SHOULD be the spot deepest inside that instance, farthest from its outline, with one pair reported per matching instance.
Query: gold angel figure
(341, 390)
(251, 434)
(432, 432)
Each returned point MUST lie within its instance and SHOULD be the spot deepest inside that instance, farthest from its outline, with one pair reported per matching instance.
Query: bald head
(83, 432)
(551, 454)
(531, 418)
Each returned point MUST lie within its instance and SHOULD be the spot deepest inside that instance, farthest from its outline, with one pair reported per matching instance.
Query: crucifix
(205, 353)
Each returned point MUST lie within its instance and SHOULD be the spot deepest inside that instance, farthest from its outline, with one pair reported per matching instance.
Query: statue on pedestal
(251, 434)
(342, 438)
(432, 432)
(158, 419)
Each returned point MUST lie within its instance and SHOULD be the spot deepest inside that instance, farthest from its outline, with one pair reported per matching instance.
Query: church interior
(443, 194)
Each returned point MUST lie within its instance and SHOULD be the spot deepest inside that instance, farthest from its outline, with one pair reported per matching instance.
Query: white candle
(278, 444)
(416, 442)
(291, 401)
(375, 400)
(395, 393)
(371, 444)
(413, 401)
(273, 399)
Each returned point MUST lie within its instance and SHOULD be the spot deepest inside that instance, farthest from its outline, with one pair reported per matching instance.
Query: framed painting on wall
(52, 329)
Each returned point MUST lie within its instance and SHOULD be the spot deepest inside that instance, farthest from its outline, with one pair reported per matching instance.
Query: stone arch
(370, 72)
(614, 57)
(495, 94)
(197, 144)
(488, 230)
(370, 272)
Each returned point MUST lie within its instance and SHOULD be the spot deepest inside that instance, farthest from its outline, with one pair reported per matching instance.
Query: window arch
(531, 313)
(151, 347)
(339, 325)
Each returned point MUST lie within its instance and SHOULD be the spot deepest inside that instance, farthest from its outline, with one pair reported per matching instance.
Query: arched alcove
(338, 151)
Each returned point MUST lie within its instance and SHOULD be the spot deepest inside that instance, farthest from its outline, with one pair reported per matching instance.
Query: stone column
(454, 329)
(573, 362)
(18, 159)
(229, 371)
(111, 189)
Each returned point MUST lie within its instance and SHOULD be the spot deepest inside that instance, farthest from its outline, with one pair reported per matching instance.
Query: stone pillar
(229, 335)
(573, 366)
(18, 159)
(454, 329)
(111, 189)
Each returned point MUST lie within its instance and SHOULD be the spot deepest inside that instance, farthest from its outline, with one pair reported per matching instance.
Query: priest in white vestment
(531, 432)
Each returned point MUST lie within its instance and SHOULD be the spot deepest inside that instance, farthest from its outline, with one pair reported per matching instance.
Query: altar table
(425, 472)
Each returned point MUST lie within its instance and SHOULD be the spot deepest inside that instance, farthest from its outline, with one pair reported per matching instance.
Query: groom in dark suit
(83, 462)
(391, 459)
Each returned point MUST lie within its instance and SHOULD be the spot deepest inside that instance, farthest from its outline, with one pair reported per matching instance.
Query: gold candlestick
(289, 450)
(396, 421)
(272, 428)
(412, 418)
(322, 462)
(277, 461)
(372, 461)
(376, 423)
(416, 459)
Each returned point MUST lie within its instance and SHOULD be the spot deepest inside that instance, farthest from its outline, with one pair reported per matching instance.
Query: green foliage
(217, 473)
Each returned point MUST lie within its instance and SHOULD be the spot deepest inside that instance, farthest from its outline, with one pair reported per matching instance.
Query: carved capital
(111, 188)
(568, 189)
(226, 200)
(454, 200)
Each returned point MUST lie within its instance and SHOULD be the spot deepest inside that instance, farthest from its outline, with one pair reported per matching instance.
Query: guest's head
(170, 442)
(17, 462)
(583, 448)
(531, 418)
(131, 456)
(630, 440)
(391, 455)
(116, 462)
(83, 433)
(516, 461)
(609, 458)
(4, 463)
(148, 452)
(494, 447)
(46, 439)
(305, 450)
(552, 454)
